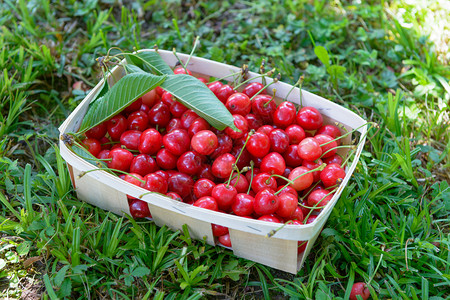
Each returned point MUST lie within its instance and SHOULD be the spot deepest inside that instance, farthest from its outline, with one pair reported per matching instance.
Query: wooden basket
(248, 237)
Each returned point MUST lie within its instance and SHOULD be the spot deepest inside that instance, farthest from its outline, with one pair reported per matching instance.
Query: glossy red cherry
(116, 126)
(174, 196)
(181, 184)
(225, 240)
(313, 165)
(252, 88)
(181, 70)
(137, 120)
(285, 114)
(309, 118)
(243, 205)
(287, 189)
(189, 163)
(166, 160)
(188, 117)
(198, 125)
(204, 142)
(177, 109)
(264, 106)
(224, 92)
(258, 144)
(309, 149)
(238, 103)
(266, 129)
(332, 174)
(104, 154)
(203, 187)
(218, 230)
(207, 202)
(215, 86)
(163, 174)
(205, 172)
(97, 132)
(92, 145)
(319, 198)
(224, 195)
(269, 218)
(159, 115)
(139, 209)
(279, 141)
(335, 159)
(359, 289)
(155, 183)
(298, 214)
(330, 130)
(120, 159)
(240, 183)
(150, 141)
(296, 134)
(174, 123)
(244, 158)
(202, 79)
(130, 139)
(223, 165)
(133, 106)
(266, 202)
(253, 121)
(143, 164)
(177, 141)
(263, 181)
(288, 204)
(167, 99)
(225, 144)
(273, 163)
(291, 156)
(329, 149)
(241, 123)
(301, 180)
(105, 143)
(150, 98)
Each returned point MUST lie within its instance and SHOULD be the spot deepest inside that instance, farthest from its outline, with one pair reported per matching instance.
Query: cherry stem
(338, 147)
(179, 60)
(192, 52)
(232, 74)
(261, 70)
(273, 231)
(252, 164)
(258, 76)
(299, 82)
(315, 205)
(319, 168)
(310, 190)
(274, 91)
(109, 169)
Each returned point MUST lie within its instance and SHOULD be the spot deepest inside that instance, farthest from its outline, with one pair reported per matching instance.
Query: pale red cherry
(204, 142)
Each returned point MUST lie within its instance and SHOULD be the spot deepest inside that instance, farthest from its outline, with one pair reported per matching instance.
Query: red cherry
(143, 164)
(159, 90)
(279, 141)
(133, 106)
(302, 182)
(253, 121)
(139, 209)
(264, 106)
(266, 202)
(105, 143)
(288, 189)
(282, 181)
(150, 141)
(174, 123)
(189, 163)
(224, 195)
(240, 183)
(163, 174)
(177, 141)
(244, 159)
(202, 79)
(150, 98)
(188, 117)
(291, 156)
(225, 144)
(181, 184)
(319, 198)
(329, 149)
(298, 214)
(296, 133)
(116, 126)
(104, 154)
(288, 205)
(204, 142)
(335, 159)
(313, 165)
(134, 179)
(258, 144)
(243, 205)
(166, 160)
(263, 181)
(174, 196)
(273, 163)
(97, 132)
(181, 70)
(159, 114)
(203, 187)
(218, 230)
(330, 130)
(207, 202)
(309, 118)
(120, 159)
(144, 108)
(309, 149)
(137, 120)
(223, 165)
(301, 246)
(266, 129)
(177, 109)
(252, 88)
(311, 219)
(332, 175)
(198, 125)
(241, 123)
(167, 99)
(359, 288)
(155, 183)
(224, 92)
(285, 114)
(238, 103)
(225, 240)
(205, 172)
(92, 145)
(269, 218)
(130, 139)
(215, 86)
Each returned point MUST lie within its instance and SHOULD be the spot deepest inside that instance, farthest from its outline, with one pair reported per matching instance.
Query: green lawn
(390, 229)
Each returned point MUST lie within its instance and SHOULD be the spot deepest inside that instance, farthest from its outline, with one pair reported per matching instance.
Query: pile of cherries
(278, 153)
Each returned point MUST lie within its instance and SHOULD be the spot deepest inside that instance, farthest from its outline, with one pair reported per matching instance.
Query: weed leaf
(322, 54)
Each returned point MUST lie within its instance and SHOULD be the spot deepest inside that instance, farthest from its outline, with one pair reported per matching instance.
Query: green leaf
(59, 277)
(66, 288)
(86, 155)
(336, 71)
(140, 271)
(149, 61)
(124, 92)
(195, 95)
(101, 93)
(23, 248)
(322, 54)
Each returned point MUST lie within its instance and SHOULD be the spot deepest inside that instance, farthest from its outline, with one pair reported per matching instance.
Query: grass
(385, 61)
